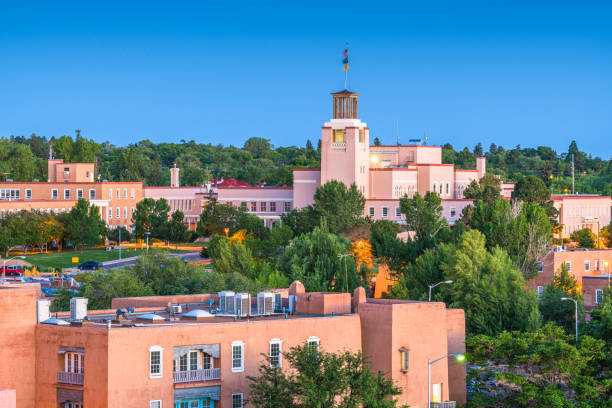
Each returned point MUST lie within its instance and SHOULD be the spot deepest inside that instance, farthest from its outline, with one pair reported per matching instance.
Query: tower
(174, 176)
(345, 144)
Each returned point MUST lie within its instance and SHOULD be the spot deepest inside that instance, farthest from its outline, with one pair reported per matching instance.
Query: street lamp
(147, 234)
(576, 305)
(458, 356)
(433, 286)
(4, 266)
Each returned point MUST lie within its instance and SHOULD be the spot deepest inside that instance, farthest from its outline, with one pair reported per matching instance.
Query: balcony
(447, 404)
(66, 377)
(338, 145)
(208, 374)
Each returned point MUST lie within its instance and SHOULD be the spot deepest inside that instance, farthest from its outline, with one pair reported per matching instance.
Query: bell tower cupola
(345, 104)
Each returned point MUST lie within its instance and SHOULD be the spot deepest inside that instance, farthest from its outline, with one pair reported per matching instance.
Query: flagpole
(345, 78)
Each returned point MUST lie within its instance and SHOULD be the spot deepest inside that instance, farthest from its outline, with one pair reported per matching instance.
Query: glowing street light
(458, 356)
(576, 305)
(439, 283)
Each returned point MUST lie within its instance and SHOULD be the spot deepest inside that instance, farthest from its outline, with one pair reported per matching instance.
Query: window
(404, 359)
(447, 188)
(132, 193)
(110, 193)
(540, 267)
(87, 174)
(587, 266)
(314, 342)
(206, 362)
(253, 206)
(273, 206)
(338, 136)
(133, 210)
(361, 135)
(540, 291)
(125, 193)
(54, 194)
(118, 194)
(67, 194)
(92, 194)
(275, 353)
(183, 362)
(596, 268)
(69, 404)
(385, 211)
(79, 193)
(110, 212)
(435, 187)
(28, 194)
(155, 361)
(453, 212)
(124, 212)
(569, 265)
(193, 360)
(237, 356)
(262, 205)
(287, 206)
(398, 212)
(371, 212)
(118, 212)
(598, 296)
(243, 205)
(155, 404)
(66, 169)
(237, 401)
(73, 362)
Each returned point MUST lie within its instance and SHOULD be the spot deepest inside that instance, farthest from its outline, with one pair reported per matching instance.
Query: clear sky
(510, 72)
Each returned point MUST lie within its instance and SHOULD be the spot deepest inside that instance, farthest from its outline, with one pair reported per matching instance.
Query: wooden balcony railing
(66, 377)
(197, 375)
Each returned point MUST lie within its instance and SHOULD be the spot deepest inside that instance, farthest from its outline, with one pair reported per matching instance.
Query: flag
(345, 60)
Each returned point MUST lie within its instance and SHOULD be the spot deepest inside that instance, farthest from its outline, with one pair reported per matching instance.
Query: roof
(577, 196)
(345, 92)
(231, 182)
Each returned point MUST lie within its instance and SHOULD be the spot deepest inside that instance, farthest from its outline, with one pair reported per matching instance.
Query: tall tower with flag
(345, 140)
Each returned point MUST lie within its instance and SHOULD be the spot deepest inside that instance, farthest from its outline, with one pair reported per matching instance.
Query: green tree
(320, 379)
(84, 226)
(113, 234)
(584, 237)
(230, 257)
(341, 206)
(151, 216)
(177, 230)
(486, 189)
(101, 287)
(489, 287)
(559, 311)
(423, 215)
(532, 190)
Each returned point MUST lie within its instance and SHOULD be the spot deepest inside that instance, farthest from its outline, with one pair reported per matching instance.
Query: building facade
(579, 211)
(199, 355)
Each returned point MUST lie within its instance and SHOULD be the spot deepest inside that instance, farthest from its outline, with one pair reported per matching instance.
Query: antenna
(573, 169)
(425, 138)
(397, 132)
(50, 151)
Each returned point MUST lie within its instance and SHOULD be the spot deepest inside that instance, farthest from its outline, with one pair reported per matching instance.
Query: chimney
(174, 176)
(481, 166)
(78, 308)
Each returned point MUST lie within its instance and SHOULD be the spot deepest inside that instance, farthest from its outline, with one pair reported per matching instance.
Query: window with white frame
(92, 194)
(540, 291)
(66, 194)
(110, 193)
(206, 361)
(453, 212)
(385, 211)
(79, 193)
(237, 356)
(404, 359)
(598, 296)
(125, 193)
(314, 342)
(155, 361)
(132, 195)
(596, 266)
(73, 362)
(110, 212)
(287, 206)
(133, 210)
(272, 206)
(447, 188)
(262, 206)
(155, 404)
(118, 194)
(398, 212)
(28, 194)
(237, 401)
(371, 212)
(118, 212)
(275, 353)
(568, 264)
(124, 212)
(54, 194)
(587, 265)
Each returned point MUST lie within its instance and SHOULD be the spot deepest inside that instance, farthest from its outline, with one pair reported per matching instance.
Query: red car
(12, 270)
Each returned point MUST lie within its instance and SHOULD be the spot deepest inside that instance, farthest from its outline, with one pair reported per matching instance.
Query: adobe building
(68, 182)
(197, 350)
(579, 211)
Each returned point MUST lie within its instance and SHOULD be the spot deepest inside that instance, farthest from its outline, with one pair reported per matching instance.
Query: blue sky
(463, 72)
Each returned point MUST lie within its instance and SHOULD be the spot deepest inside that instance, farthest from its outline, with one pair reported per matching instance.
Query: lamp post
(433, 286)
(147, 234)
(345, 271)
(576, 307)
(458, 356)
(4, 264)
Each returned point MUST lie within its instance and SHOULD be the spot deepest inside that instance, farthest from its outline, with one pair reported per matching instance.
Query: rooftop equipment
(278, 302)
(243, 304)
(226, 301)
(43, 307)
(78, 308)
(265, 303)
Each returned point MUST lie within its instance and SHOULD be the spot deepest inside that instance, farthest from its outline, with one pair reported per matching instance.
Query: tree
(559, 311)
(486, 189)
(341, 206)
(151, 216)
(584, 237)
(230, 257)
(84, 226)
(423, 215)
(320, 379)
(489, 287)
(113, 234)
(177, 230)
(532, 190)
(377, 141)
(101, 287)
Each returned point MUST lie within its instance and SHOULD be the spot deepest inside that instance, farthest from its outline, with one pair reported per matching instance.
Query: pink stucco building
(579, 211)
(183, 352)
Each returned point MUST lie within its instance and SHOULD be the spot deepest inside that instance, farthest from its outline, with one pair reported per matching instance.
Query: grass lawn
(64, 259)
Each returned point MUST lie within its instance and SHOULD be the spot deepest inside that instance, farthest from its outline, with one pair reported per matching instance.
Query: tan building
(67, 183)
(192, 358)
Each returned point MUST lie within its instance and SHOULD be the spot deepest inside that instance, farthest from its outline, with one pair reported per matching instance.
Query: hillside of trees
(258, 161)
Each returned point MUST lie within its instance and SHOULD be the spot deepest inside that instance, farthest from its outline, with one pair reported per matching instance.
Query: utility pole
(119, 242)
(573, 169)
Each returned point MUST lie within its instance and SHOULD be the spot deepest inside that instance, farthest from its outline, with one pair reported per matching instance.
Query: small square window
(237, 401)
(155, 404)
(371, 212)
(54, 194)
(28, 194)
(398, 212)
(385, 211)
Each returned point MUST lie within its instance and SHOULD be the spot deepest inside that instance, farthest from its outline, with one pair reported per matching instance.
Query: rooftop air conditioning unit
(43, 310)
(226, 301)
(292, 304)
(265, 303)
(78, 308)
(243, 304)
(177, 309)
(278, 302)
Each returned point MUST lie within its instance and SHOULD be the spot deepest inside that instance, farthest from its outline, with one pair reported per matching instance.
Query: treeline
(257, 161)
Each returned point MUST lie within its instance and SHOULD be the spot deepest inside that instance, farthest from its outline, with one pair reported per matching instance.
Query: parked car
(12, 270)
(90, 266)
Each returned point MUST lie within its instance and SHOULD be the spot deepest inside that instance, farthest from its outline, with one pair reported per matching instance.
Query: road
(120, 263)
